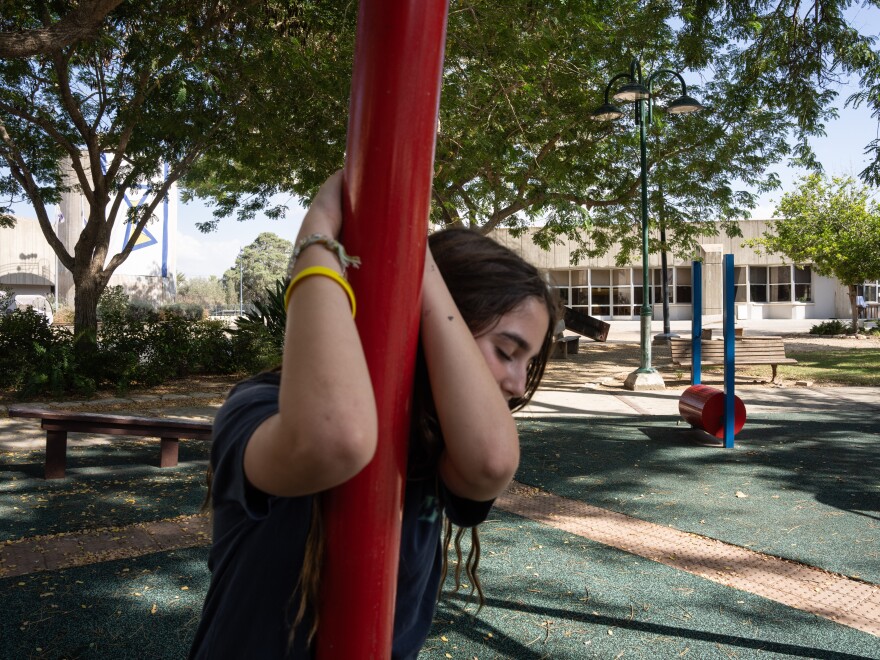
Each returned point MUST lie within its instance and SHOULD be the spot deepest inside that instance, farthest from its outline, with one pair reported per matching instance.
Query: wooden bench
(565, 346)
(751, 350)
(58, 423)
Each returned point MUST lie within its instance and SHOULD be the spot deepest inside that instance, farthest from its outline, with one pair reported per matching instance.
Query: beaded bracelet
(323, 272)
(330, 243)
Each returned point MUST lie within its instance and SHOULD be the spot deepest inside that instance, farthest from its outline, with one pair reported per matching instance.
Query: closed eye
(504, 356)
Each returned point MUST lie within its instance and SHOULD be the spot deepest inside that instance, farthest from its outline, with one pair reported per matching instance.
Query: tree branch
(80, 23)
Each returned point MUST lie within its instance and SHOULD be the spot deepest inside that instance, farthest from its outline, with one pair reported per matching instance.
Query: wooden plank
(586, 325)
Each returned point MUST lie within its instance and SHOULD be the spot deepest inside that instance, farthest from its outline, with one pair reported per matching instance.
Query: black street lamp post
(636, 91)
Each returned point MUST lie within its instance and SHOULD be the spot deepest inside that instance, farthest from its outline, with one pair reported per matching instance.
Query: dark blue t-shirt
(259, 543)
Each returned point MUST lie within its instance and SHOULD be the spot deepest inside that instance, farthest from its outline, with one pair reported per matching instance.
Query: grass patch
(840, 366)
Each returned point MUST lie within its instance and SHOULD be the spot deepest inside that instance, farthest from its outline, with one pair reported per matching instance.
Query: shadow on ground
(800, 486)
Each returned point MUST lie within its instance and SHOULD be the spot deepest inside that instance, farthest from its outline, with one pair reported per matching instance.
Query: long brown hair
(486, 280)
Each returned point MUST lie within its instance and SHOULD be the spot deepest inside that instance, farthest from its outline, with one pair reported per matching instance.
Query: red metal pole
(395, 95)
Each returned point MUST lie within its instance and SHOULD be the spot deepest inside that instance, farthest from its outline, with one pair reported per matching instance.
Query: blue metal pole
(696, 322)
(729, 351)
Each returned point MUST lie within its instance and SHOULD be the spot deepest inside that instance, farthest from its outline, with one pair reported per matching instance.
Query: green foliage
(259, 265)
(244, 100)
(208, 293)
(259, 334)
(6, 297)
(156, 85)
(135, 348)
(189, 311)
(835, 226)
(515, 142)
(35, 357)
(832, 327)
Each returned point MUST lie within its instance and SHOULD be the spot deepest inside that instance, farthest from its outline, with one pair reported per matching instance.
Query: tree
(258, 266)
(207, 292)
(516, 145)
(158, 84)
(833, 226)
(81, 21)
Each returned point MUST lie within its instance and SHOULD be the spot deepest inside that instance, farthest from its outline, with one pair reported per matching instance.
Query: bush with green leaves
(188, 311)
(136, 346)
(36, 357)
(258, 339)
(832, 327)
(212, 350)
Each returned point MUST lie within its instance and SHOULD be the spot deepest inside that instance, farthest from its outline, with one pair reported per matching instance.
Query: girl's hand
(325, 214)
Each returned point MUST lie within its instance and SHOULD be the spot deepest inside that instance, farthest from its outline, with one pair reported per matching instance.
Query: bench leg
(773, 366)
(56, 454)
(168, 457)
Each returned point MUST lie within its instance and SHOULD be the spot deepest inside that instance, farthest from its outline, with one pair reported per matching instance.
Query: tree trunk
(853, 307)
(87, 291)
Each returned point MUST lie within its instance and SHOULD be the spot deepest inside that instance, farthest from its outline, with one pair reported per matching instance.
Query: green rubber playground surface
(115, 484)
(801, 486)
(554, 595)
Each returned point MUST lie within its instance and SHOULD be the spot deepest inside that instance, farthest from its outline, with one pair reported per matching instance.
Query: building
(766, 287)
(27, 263)
(29, 266)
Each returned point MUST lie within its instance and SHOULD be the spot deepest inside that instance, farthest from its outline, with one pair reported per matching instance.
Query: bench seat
(751, 350)
(58, 423)
(565, 346)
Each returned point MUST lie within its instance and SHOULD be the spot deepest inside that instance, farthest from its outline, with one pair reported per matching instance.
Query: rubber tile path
(849, 602)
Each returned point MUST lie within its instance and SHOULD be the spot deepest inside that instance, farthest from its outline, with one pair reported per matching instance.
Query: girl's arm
(481, 443)
(325, 430)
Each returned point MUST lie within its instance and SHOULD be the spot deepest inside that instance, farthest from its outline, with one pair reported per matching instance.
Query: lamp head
(683, 105)
(631, 91)
(606, 112)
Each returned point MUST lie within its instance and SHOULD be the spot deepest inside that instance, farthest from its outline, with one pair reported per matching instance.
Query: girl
(282, 438)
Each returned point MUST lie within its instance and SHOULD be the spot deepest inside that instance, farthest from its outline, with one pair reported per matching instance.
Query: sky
(203, 255)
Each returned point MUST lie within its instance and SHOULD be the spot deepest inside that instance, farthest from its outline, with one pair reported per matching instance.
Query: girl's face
(512, 343)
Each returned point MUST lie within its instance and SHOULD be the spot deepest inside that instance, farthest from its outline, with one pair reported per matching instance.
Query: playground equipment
(395, 95)
(719, 413)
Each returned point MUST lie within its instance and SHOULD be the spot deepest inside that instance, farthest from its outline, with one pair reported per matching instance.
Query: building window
(780, 283)
(683, 285)
(740, 287)
(774, 284)
(600, 292)
(758, 284)
(803, 279)
(870, 291)
(657, 286)
(622, 293)
(580, 295)
(559, 281)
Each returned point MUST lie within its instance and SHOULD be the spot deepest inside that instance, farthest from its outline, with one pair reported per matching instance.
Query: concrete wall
(27, 264)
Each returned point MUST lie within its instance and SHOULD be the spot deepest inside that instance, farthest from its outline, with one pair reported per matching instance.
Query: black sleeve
(462, 511)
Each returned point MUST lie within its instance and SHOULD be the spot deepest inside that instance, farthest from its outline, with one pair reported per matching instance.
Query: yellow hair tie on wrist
(323, 272)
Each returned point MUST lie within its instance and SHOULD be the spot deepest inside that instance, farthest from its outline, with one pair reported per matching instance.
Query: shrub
(36, 358)
(189, 311)
(258, 338)
(211, 351)
(832, 327)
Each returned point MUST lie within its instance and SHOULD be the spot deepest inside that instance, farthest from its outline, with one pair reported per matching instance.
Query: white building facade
(766, 287)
